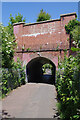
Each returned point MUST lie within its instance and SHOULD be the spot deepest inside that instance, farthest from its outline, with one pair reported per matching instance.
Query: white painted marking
(59, 32)
(42, 33)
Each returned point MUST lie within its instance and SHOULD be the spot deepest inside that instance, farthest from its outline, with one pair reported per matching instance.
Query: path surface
(31, 101)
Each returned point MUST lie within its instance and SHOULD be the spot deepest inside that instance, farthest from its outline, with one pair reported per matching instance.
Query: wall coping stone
(28, 24)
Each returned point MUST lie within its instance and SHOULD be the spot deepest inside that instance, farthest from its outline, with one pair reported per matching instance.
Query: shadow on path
(5, 114)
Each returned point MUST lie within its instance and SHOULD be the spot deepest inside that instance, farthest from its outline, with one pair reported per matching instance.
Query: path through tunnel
(41, 70)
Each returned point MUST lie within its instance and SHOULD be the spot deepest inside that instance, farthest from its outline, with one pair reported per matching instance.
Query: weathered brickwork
(47, 37)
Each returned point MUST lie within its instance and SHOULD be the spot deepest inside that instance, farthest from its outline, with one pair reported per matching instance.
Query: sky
(30, 10)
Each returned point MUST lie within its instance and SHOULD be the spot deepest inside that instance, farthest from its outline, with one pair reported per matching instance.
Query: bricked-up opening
(35, 71)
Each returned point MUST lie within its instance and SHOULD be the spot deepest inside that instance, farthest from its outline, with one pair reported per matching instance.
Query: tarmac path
(33, 100)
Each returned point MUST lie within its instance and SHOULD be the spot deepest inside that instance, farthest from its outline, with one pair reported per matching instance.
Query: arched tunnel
(35, 72)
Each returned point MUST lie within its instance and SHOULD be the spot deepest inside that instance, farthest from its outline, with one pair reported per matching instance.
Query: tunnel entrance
(41, 70)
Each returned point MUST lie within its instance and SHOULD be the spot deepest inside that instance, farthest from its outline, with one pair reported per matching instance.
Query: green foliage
(8, 46)
(12, 20)
(75, 49)
(68, 88)
(12, 78)
(8, 38)
(68, 78)
(18, 18)
(13, 74)
(71, 25)
(76, 36)
(28, 49)
(43, 16)
(73, 28)
(57, 47)
(46, 66)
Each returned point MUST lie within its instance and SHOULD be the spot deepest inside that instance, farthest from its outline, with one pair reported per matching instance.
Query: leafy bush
(8, 46)
(68, 88)
(12, 78)
(13, 74)
(68, 78)
(71, 25)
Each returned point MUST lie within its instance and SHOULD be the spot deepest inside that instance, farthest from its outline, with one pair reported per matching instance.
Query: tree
(8, 39)
(43, 16)
(13, 74)
(16, 19)
(8, 46)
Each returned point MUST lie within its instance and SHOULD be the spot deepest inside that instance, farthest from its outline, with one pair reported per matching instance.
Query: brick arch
(27, 57)
(34, 71)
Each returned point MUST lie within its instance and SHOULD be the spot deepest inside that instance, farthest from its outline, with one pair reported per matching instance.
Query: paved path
(31, 101)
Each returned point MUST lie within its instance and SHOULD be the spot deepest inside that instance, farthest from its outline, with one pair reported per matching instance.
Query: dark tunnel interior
(35, 73)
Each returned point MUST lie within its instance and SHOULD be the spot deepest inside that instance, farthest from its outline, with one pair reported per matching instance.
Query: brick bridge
(40, 43)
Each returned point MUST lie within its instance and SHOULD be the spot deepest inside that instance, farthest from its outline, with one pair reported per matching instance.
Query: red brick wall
(47, 35)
